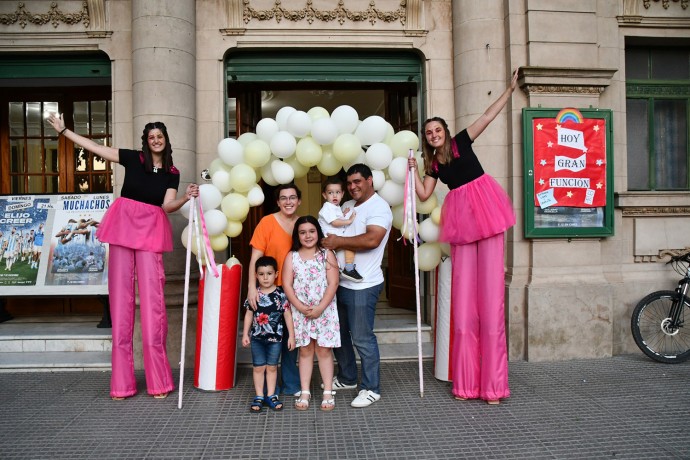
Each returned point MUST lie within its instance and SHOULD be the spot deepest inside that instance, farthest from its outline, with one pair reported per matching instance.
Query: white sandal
(303, 404)
(328, 404)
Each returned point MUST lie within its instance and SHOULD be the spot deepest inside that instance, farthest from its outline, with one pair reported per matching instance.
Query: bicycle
(658, 320)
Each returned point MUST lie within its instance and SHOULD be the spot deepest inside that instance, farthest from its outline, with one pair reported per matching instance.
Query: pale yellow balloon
(436, 215)
(218, 165)
(257, 153)
(398, 216)
(219, 242)
(235, 206)
(318, 112)
(428, 256)
(221, 179)
(402, 142)
(232, 261)
(299, 168)
(329, 164)
(346, 148)
(242, 178)
(308, 152)
(195, 245)
(425, 207)
(428, 231)
(233, 229)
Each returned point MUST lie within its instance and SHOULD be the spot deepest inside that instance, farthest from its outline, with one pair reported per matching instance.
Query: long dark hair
(167, 153)
(428, 151)
(295, 232)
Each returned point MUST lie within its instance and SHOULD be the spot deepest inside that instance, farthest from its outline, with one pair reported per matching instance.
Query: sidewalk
(622, 407)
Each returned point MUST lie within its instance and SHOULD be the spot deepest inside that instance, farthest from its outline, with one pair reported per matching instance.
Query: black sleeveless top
(463, 168)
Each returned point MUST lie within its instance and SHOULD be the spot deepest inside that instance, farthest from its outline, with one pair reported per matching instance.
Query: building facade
(203, 66)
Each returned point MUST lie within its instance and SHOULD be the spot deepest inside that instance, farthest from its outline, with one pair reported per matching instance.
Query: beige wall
(564, 298)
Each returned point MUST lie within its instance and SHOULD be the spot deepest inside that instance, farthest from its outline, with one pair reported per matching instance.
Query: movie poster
(76, 255)
(22, 229)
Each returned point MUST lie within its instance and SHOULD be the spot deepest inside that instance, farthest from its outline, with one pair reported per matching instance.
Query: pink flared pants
(479, 356)
(148, 266)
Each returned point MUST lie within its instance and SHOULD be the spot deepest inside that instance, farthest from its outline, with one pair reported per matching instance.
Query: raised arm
(103, 151)
(478, 127)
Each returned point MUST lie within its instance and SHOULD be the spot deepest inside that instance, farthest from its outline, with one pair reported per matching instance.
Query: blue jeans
(356, 311)
(265, 353)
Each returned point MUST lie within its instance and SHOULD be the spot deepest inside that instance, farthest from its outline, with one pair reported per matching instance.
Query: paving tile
(621, 407)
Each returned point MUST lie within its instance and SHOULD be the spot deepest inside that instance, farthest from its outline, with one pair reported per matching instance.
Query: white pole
(413, 204)
(192, 205)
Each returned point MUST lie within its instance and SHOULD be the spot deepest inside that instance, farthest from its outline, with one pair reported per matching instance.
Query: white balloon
(266, 128)
(299, 123)
(255, 196)
(283, 144)
(378, 156)
(393, 193)
(283, 115)
(345, 119)
(397, 170)
(379, 179)
(318, 112)
(282, 172)
(215, 221)
(246, 138)
(210, 196)
(242, 178)
(267, 175)
(230, 151)
(221, 179)
(372, 130)
(428, 231)
(184, 210)
(428, 256)
(324, 131)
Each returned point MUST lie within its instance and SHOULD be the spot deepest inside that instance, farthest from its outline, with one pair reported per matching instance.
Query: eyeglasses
(283, 199)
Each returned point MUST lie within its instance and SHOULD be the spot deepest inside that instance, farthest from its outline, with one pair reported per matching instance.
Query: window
(37, 160)
(658, 97)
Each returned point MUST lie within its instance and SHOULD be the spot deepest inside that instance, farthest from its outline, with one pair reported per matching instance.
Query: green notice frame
(568, 164)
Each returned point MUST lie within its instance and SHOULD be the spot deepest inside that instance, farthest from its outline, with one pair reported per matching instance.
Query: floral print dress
(309, 283)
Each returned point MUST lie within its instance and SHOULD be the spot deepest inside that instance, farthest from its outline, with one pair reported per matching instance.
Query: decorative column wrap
(164, 89)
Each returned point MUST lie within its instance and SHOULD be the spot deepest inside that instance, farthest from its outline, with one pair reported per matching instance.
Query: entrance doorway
(387, 85)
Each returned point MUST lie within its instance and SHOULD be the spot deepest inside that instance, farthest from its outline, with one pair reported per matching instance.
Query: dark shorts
(265, 353)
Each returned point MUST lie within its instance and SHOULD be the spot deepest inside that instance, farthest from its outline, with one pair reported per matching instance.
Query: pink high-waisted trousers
(123, 264)
(479, 355)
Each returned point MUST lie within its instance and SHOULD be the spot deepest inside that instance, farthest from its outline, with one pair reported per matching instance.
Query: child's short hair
(265, 261)
(333, 180)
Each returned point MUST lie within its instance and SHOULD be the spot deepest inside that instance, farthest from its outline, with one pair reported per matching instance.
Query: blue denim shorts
(265, 353)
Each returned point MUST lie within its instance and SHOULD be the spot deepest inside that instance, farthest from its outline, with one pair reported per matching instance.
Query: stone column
(164, 89)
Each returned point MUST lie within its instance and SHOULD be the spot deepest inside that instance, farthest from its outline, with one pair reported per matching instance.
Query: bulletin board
(568, 164)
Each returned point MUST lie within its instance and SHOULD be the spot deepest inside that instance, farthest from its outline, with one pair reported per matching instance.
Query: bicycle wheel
(652, 333)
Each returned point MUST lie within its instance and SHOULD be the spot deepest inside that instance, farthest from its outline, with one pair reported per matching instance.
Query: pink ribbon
(210, 260)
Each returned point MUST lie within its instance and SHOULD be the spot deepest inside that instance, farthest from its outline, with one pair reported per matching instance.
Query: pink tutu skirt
(136, 225)
(475, 211)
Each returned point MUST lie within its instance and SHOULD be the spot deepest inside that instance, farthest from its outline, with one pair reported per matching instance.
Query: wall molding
(341, 14)
(564, 80)
(53, 16)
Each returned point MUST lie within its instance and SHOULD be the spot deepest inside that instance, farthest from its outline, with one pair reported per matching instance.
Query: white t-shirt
(330, 212)
(374, 211)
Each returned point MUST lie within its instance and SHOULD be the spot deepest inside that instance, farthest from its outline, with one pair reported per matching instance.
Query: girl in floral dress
(310, 279)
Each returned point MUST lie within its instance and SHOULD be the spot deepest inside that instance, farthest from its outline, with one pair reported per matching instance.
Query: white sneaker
(366, 398)
(338, 385)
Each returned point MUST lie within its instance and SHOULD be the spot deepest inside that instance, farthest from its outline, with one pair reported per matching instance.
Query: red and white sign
(569, 163)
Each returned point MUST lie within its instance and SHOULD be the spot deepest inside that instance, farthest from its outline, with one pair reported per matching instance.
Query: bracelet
(63, 130)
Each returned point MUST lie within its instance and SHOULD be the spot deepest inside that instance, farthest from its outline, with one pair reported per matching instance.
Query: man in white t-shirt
(367, 236)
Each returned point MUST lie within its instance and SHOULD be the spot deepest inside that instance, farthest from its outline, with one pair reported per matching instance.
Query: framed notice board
(568, 164)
